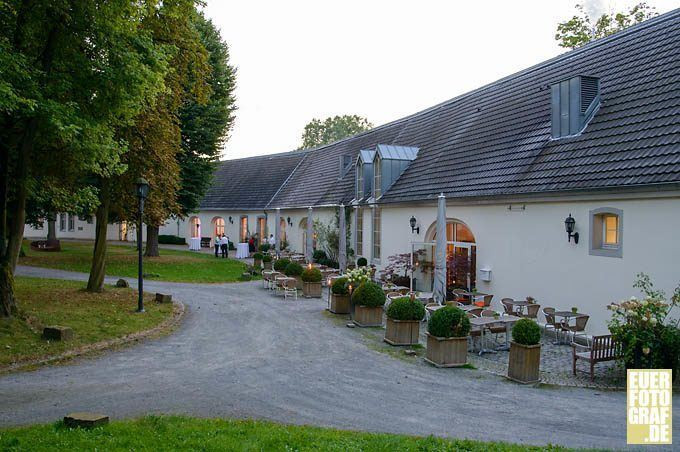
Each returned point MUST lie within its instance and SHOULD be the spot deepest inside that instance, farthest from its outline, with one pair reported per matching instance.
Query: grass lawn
(94, 317)
(183, 433)
(172, 265)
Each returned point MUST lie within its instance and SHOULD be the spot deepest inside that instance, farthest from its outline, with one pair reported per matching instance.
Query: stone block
(85, 420)
(57, 333)
(122, 283)
(163, 298)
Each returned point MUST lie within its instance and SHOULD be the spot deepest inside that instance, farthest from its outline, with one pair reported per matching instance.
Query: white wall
(82, 230)
(529, 254)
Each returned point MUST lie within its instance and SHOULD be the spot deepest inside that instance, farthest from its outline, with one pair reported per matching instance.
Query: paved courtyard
(242, 352)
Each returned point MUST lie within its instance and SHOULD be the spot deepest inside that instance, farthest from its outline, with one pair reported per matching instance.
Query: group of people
(222, 245)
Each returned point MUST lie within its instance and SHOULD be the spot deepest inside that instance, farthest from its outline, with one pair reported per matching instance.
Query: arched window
(194, 227)
(218, 225)
(461, 256)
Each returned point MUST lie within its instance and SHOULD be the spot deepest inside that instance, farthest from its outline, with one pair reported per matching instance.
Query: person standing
(251, 244)
(218, 241)
(272, 241)
(224, 244)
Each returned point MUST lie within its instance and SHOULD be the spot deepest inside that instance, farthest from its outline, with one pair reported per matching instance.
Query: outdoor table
(195, 244)
(424, 296)
(473, 296)
(509, 321)
(566, 315)
(521, 304)
(242, 251)
(484, 323)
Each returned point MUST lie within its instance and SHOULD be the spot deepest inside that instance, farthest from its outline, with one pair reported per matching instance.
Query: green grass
(155, 433)
(172, 265)
(94, 317)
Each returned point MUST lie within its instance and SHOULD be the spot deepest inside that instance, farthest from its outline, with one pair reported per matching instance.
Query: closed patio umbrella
(439, 289)
(342, 240)
(277, 230)
(310, 236)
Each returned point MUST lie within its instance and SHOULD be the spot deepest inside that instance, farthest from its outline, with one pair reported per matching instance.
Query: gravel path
(241, 352)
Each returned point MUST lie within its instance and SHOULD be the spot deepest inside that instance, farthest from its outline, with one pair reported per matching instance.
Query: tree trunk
(51, 229)
(151, 241)
(98, 268)
(8, 306)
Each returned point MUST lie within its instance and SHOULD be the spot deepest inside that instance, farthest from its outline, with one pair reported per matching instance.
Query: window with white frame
(606, 232)
(244, 229)
(62, 221)
(377, 178)
(71, 222)
(376, 233)
(360, 181)
(359, 232)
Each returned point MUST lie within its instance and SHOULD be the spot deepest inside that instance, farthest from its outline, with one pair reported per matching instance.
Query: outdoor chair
(600, 349)
(404, 291)
(429, 310)
(532, 311)
(289, 288)
(475, 331)
(486, 301)
(579, 327)
(477, 312)
(496, 329)
(507, 307)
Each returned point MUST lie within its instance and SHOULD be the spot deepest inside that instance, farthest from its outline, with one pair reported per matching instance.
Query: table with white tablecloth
(242, 251)
(195, 244)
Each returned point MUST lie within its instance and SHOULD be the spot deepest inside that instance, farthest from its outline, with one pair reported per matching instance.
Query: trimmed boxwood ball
(406, 309)
(340, 286)
(449, 321)
(319, 255)
(369, 294)
(311, 275)
(293, 269)
(526, 332)
(281, 264)
(266, 258)
(362, 262)
(258, 256)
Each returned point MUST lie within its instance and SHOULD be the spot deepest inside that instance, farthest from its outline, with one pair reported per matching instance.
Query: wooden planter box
(268, 265)
(446, 351)
(339, 304)
(364, 316)
(311, 289)
(298, 282)
(257, 263)
(524, 362)
(402, 332)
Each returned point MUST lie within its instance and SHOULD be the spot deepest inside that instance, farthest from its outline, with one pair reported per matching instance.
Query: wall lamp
(290, 223)
(231, 220)
(414, 228)
(569, 224)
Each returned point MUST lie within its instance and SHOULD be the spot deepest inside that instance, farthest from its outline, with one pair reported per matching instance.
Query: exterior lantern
(142, 188)
(413, 222)
(569, 224)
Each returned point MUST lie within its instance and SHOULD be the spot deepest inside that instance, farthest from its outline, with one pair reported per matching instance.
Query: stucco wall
(82, 230)
(528, 252)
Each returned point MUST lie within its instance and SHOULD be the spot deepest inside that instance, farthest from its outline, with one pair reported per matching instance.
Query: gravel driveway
(241, 352)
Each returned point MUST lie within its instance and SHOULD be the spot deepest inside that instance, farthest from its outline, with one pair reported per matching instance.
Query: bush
(449, 321)
(406, 309)
(340, 286)
(526, 332)
(362, 262)
(232, 247)
(266, 258)
(318, 255)
(311, 275)
(245, 277)
(281, 264)
(258, 256)
(264, 248)
(171, 240)
(369, 294)
(293, 269)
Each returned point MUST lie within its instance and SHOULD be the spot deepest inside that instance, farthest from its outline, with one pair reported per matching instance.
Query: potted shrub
(525, 352)
(267, 261)
(294, 270)
(257, 260)
(447, 337)
(339, 296)
(319, 256)
(403, 321)
(311, 283)
(264, 248)
(362, 262)
(281, 264)
(368, 300)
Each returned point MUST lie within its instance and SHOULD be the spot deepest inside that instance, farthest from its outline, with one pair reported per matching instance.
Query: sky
(300, 59)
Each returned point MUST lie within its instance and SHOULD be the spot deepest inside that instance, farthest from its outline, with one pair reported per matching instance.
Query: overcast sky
(382, 59)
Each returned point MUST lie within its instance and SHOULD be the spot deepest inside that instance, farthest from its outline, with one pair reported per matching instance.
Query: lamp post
(142, 192)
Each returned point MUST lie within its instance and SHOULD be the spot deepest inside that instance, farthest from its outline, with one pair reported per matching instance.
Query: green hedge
(171, 240)
(406, 309)
(369, 294)
(293, 269)
(318, 255)
(526, 332)
(266, 258)
(312, 275)
(264, 247)
(362, 262)
(449, 321)
(258, 256)
(340, 286)
(281, 264)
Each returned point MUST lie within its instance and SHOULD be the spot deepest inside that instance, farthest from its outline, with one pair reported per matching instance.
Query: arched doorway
(194, 227)
(303, 229)
(461, 253)
(218, 226)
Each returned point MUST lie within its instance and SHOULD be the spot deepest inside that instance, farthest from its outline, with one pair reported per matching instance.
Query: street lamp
(142, 192)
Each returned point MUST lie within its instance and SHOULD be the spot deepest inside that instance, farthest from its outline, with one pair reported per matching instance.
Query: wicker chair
(477, 312)
(532, 311)
(507, 307)
(289, 288)
(579, 327)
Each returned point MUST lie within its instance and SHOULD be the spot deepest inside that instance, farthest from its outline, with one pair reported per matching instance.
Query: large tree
(72, 72)
(581, 28)
(318, 132)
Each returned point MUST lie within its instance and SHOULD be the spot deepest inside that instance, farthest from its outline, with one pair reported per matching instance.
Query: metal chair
(579, 327)
(289, 288)
(508, 308)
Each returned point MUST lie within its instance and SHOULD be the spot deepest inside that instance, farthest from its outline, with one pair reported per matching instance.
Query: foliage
(266, 258)
(649, 338)
(362, 262)
(358, 276)
(171, 240)
(457, 269)
(406, 309)
(318, 132)
(318, 255)
(258, 256)
(311, 275)
(293, 269)
(398, 268)
(340, 286)
(281, 264)
(526, 332)
(369, 294)
(328, 238)
(449, 321)
(264, 247)
(580, 30)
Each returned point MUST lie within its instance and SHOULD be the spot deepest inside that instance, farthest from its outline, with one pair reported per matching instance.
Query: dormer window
(360, 181)
(377, 177)
(574, 103)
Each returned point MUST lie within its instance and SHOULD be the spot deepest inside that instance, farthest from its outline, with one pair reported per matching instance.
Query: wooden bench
(602, 348)
(205, 242)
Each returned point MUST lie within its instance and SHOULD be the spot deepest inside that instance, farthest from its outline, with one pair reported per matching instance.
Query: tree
(318, 132)
(580, 30)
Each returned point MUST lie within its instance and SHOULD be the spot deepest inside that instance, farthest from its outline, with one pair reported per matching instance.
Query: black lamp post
(569, 224)
(142, 192)
(412, 222)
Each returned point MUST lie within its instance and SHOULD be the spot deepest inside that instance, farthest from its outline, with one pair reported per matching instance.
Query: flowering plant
(358, 276)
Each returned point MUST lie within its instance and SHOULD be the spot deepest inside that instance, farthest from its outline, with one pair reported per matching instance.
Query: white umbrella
(439, 289)
(342, 240)
(277, 230)
(310, 236)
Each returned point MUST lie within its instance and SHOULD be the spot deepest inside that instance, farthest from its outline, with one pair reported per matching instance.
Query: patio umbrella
(439, 289)
(310, 236)
(342, 240)
(277, 230)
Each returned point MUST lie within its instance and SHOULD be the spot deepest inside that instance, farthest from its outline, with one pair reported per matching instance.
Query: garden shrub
(369, 294)
(264, 248)
(266, 258)
(293, 269)
(311, 275)
(362, 262)
(258, 256)
(171, 240)
(526, 332)
(449, 321)
(318, 255)
(245, 277)
(281, 264)
(340, 286)
(406, 309)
